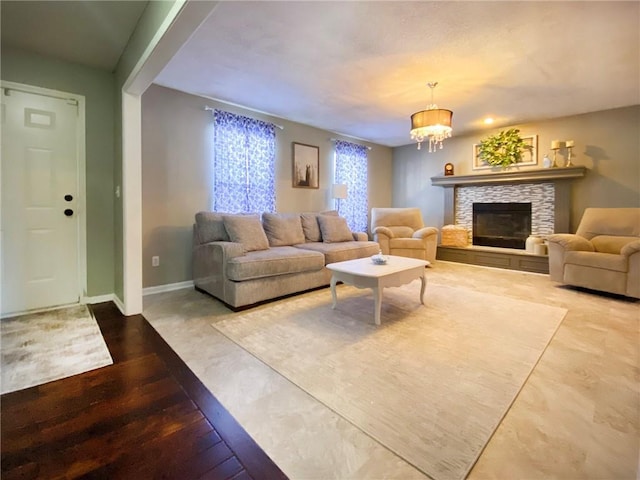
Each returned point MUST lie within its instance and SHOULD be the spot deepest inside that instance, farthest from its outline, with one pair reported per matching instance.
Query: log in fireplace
(501, 224)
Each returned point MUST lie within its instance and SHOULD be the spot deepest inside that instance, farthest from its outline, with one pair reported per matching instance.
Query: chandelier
(433, 124)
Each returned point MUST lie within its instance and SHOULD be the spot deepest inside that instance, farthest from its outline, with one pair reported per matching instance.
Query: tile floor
(577, 416)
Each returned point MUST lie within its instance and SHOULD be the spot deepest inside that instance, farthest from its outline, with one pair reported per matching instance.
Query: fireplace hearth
(504, 225)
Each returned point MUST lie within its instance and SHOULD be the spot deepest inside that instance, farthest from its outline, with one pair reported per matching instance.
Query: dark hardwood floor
(145, 416)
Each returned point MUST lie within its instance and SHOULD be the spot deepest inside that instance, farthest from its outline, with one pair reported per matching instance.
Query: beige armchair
(604, 253)
(401, 231)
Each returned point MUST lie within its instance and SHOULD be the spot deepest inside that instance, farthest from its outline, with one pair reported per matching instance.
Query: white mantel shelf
(539, 175)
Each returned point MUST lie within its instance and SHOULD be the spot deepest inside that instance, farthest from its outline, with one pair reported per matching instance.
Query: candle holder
(568, 162)
(555, 154)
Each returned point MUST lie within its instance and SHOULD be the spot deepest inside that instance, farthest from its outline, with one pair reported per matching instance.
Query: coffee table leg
(377, 295)
(334, 280)
(423, 279)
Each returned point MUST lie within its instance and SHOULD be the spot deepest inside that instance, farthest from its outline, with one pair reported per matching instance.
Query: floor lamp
(339, 192)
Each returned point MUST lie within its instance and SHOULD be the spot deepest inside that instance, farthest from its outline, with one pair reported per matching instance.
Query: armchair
(603, 254)
(401, 231)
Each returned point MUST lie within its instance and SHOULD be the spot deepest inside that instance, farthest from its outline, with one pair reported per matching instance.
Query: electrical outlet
(155, 261)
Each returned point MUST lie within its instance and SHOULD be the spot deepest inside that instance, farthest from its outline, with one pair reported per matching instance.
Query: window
(351, 169)
(244, 155)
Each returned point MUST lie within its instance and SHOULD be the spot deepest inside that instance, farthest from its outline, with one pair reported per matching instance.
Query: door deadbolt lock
(68, 212)
(68, 197)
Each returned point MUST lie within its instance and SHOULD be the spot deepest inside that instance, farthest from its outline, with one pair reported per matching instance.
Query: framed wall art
(306, 166)
(529, 155)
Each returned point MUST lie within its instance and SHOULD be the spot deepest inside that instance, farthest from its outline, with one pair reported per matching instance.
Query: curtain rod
(365, 146)
(211, 109)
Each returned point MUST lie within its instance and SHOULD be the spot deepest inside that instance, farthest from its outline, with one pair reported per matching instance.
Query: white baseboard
(112, 297)
(98, 299)
(109, 297)
(170, 287)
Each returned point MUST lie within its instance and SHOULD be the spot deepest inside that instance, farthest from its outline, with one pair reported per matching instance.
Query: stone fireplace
(548, 191)
(541, 197)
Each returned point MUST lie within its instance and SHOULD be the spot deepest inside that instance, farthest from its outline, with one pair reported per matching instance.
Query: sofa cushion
(606, 261)
(395, 217)
(211, 227)
(334, 229)
(247, 230)
(310, 225)
(282, 228)
(339, 252)
(609, 221)
(272, 262)
(611, 243)
(407, 243)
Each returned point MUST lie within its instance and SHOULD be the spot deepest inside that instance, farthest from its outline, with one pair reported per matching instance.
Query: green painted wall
(607, 143)
(97, 86)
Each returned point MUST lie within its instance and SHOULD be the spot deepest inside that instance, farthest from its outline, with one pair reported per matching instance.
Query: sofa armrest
(360, 236)
(632, 252)
(630, 248)
(210, 259)
(382, 235)
(570, 241)
(425, 232)
(383, 231)
(226, 249)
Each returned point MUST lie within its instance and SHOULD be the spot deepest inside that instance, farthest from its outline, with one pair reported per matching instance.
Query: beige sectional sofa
(246, 259)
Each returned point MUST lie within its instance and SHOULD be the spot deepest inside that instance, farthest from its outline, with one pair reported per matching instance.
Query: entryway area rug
(432, 383)
(41, 347)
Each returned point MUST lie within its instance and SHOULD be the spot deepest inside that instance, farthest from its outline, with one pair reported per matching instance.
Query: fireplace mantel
(539, 175)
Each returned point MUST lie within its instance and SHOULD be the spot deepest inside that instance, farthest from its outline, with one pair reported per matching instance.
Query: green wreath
(502, 149)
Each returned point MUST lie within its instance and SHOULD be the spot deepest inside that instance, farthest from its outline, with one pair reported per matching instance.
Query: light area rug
(432, 383)
(41, 347)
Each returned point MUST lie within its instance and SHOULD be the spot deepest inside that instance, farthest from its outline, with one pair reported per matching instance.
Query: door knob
(68, 197)
(68, 212)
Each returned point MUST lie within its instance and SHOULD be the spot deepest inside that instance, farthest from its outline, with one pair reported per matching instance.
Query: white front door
(40, 189)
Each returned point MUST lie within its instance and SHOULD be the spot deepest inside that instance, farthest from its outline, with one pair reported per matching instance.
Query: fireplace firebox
(501, 224)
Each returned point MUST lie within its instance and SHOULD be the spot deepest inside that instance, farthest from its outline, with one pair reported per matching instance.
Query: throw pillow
(211, 227)
(334, 229)
(310, 225)
(247, 230)
(283, 229)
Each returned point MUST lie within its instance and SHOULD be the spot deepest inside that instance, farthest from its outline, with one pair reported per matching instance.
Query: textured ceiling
(92, 33)
(361, 68)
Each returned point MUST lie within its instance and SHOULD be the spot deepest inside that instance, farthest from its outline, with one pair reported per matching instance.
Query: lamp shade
(339, 190)
(433, 125)
(431, 118)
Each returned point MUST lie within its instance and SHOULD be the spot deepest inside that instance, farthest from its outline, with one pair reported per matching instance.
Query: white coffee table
(363, 273)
